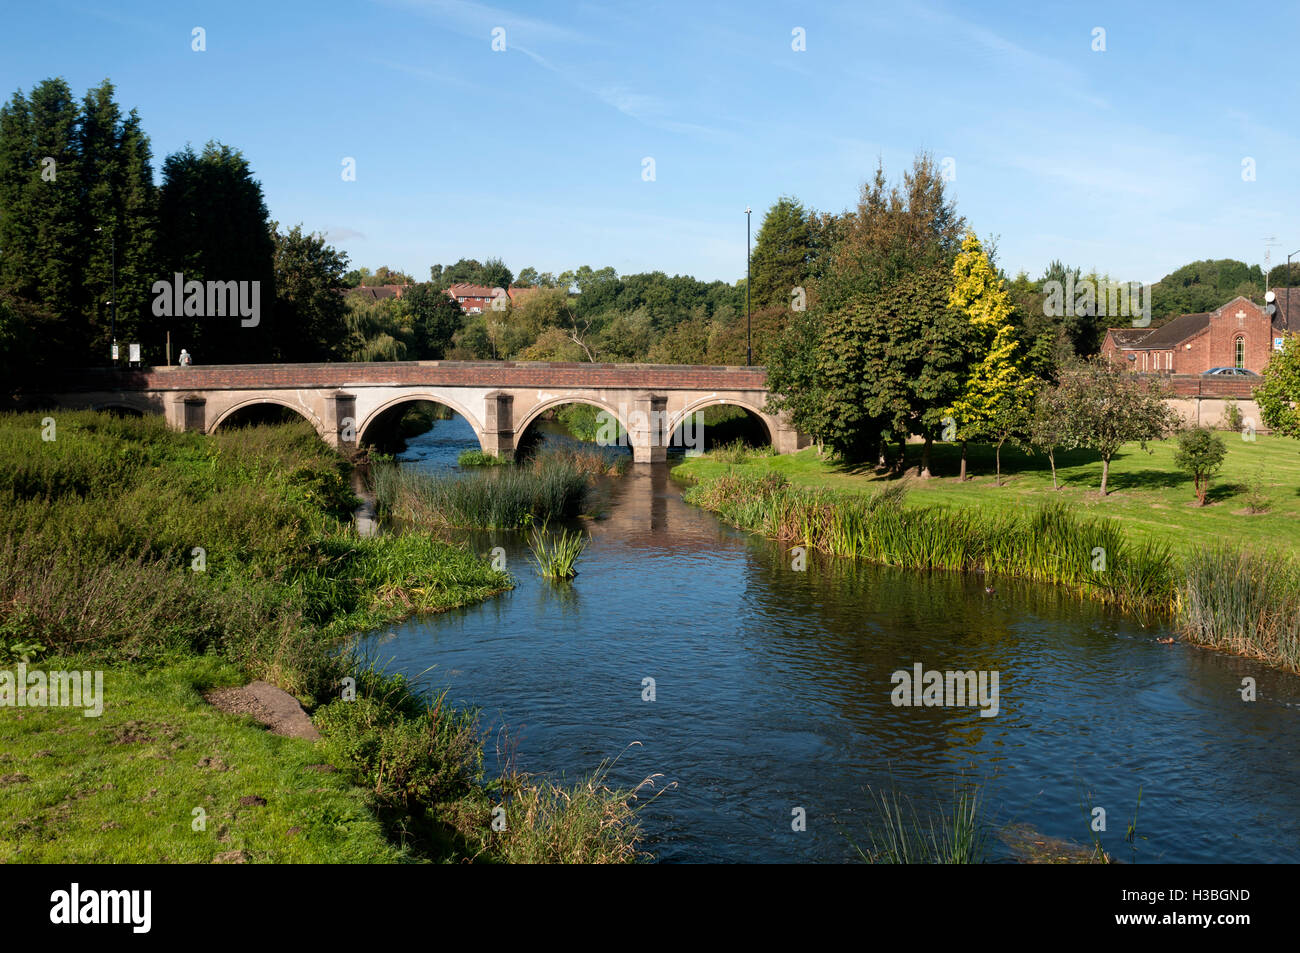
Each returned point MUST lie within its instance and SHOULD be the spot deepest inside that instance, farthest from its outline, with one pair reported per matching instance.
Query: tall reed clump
(589, 822)
(496, 498)
(1049, 544)
(591, 460)
(899, 835)
(555, 557)
(1243, 601)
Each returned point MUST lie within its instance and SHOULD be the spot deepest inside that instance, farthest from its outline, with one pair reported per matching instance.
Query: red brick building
(1238, 334)
(474, 299)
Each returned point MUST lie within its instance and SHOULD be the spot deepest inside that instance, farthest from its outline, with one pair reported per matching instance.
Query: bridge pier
(188, 412)
(499, 424)
(646, 428)
(341, 412)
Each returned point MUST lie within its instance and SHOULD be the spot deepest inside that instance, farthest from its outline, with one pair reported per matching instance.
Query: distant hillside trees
(1203, 286)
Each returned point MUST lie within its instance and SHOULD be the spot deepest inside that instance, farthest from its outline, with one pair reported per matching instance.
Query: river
(772, 693)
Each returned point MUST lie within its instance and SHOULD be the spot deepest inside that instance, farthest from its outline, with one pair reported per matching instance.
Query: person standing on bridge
(186, 360)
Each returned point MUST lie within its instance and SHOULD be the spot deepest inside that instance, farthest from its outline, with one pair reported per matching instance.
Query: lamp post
(112, 239)
(1286, 310)
(749, 341)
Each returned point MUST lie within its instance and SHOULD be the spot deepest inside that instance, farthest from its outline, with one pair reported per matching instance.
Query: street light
(749, 343)
(1286, 309)
(112, 238)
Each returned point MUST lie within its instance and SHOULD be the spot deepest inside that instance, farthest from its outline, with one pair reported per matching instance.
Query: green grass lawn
(1149, 495)
(122, 788)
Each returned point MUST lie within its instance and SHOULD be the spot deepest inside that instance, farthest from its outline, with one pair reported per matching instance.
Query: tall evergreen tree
(66, 169)
(213, 225)
(783, 254)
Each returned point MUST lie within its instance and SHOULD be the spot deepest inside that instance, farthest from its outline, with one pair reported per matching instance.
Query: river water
(772, 693)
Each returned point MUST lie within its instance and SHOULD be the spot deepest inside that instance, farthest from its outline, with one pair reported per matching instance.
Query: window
(1239, 347)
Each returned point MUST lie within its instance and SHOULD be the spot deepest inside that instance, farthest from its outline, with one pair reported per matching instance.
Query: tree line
(78, 201)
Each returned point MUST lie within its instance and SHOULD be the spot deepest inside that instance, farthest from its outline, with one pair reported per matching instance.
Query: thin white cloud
(479, 19)
(1066, 79)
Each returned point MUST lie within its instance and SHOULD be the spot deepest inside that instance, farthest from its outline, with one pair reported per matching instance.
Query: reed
(494, 498)
(555, 556)
(1049, 544)
(1243, 601)
(899, 835)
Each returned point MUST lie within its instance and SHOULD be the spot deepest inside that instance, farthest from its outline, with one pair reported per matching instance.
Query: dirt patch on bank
(272, 706)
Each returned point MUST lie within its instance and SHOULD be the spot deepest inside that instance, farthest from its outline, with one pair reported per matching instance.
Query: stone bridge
(499, 399)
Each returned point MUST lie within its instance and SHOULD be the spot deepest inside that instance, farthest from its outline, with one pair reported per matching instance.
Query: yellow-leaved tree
(996, 401)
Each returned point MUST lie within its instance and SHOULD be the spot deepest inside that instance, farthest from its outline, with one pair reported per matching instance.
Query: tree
(1200, 452)
(1203, 286)
(783, 254)
(307, 322)
(894, 230)
(1278, 394)
(994, 403)
(75, 186)
(213, 225)
(1107, 407)
(495, 274)
(435, 319)
(854, 366)
(794, 380)
(1047, 430)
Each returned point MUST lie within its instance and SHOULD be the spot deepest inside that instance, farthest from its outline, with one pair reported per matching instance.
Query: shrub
(406, 752)
(1232, 419)
(1200, 452)
(477, 458)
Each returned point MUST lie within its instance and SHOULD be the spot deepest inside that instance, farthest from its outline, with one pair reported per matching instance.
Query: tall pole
(113, 332)
(1286, 310)
(749, 341)
(112, 239)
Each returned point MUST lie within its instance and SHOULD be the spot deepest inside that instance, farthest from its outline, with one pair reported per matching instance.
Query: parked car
(1230, 372)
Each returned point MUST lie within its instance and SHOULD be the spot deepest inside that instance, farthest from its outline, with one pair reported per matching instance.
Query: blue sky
(1127, 160)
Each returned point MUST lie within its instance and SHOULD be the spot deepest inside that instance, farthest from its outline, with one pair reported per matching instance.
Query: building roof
(1287, 317)
(465, 290)
(377, 292)
(1128, 337)
(1175, 332)
(518, 293)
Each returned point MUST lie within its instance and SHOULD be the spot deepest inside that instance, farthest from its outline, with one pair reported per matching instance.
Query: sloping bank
(1237, 600)
(176, 563)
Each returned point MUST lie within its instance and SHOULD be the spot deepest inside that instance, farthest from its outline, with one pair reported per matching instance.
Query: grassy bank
(1049, 544)
(1150, 497)
(1242, 600)
(177, 562)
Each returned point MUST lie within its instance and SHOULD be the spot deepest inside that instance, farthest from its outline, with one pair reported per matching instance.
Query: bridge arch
(136, 406)
(542, 407)
(305, 412)
(712, 401)
(415, 398)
